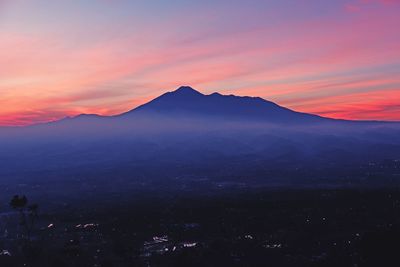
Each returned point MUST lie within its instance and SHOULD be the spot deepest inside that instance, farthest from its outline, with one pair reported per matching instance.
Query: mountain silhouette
(187, 102)
(189, 105)
(223, 135)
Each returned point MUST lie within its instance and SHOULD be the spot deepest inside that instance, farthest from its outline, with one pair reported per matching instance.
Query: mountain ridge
(188, 103)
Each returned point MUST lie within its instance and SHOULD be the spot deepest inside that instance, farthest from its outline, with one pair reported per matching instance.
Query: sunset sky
(334, 58)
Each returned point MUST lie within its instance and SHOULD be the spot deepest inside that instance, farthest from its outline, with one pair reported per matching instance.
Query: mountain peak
(186, 90)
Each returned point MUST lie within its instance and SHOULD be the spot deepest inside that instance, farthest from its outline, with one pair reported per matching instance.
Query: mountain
(187, 102)
(185, 133)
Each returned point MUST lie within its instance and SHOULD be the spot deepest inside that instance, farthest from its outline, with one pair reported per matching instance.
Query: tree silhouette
(28, 213)
(18, 203)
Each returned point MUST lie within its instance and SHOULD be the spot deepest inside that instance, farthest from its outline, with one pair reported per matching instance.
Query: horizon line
(183, 87)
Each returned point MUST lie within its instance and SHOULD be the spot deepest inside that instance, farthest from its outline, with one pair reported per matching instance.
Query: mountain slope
(187, 102)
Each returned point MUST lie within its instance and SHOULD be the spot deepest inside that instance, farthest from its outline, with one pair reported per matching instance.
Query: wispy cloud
(298, 58)
(361, 5)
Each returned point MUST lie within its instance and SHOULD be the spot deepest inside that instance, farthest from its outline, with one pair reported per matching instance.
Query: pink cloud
(328, 58)
(360, 5)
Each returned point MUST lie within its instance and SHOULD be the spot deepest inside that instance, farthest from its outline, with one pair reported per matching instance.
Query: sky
(338, 59)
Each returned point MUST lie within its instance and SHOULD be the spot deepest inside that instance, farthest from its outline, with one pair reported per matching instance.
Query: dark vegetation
(336, 227)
